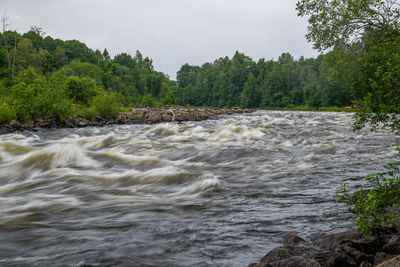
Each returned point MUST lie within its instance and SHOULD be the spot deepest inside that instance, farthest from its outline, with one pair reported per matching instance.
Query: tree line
(242, 82)
(42, 77)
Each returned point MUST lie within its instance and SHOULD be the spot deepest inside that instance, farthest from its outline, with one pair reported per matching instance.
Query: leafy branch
(377, 203)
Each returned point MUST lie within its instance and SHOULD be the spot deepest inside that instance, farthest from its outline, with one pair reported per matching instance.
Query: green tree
(35, 35)
(106, 104)
(125, 60)
(9, 41)
(28, 55)
(82, 89)
(187, 75)
(60, 58)
(106, 55)
(364, 33)
(7, 112)
(77, 50)
(34, 96)
(83, 69)
(338, 22)
(251, 94)
(149, 101)
(169, 99)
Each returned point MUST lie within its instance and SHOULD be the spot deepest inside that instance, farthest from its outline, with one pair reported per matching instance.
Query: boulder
(45, 123)
(277, 254)
(15, 124)
(121, 118)
(99, 119)
(293, 262)
(394, 262)
(290, 240)
(280, 253)
(381, 257)
(4, 130)
(153, 117)
(166, 116)
(393, 245)
(28, 124)
(333, 239)
(339, 259)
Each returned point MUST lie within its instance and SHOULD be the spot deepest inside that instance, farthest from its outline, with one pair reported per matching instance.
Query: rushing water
(211, 193)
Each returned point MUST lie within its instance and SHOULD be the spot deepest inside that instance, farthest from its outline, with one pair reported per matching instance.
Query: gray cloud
(171, 32)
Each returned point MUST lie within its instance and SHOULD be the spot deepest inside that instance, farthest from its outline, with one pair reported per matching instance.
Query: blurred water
(211, 193)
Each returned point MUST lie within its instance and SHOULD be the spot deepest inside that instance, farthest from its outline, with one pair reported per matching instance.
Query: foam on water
(194, 190)
(131, 160)
(15, 149)
(169, 175)
(164, 129)
(98, 142)
(58, 155)
(236, 133)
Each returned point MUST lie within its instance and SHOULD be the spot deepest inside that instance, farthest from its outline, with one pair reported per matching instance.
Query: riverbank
(136, 116)
(339, 248)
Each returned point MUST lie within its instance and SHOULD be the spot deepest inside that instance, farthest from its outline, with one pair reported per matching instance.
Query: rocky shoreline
(339, 248)
(136, 116)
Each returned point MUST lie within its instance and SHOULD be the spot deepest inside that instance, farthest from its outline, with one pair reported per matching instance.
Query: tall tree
(364, 33)
(338, 22)
(11, 48)
(106, 55)
(251, 94)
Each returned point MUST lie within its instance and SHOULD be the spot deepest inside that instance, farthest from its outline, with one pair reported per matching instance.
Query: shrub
(61, 109)
(88, 113)
(82, 89)
(169, 99)
(35, 96)
(106, 104)
(377, 203)
(7, 113)
(149, 101)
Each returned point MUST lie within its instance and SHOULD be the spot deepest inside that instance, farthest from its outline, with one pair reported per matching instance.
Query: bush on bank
(376, 203)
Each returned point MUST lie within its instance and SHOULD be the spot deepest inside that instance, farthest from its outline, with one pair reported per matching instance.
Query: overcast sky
(171, 32)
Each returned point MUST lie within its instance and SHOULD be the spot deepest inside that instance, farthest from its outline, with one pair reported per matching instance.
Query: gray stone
(290, 240)
(393, 245)
(394, 262)
(381, 257)
(293, 262)
(333, 239)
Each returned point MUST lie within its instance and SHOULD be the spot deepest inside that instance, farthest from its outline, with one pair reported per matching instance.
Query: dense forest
(42, 77)
(45, 77)
(241, 82)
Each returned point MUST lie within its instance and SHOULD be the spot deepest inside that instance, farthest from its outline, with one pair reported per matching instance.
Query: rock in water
(291, 240)
(294, 262)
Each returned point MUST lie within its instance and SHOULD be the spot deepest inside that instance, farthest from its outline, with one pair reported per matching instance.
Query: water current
(212, 193)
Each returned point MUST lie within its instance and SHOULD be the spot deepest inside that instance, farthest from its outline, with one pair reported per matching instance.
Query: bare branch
(11, 59)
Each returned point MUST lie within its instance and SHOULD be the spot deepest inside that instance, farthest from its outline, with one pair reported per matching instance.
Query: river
(210, 193)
